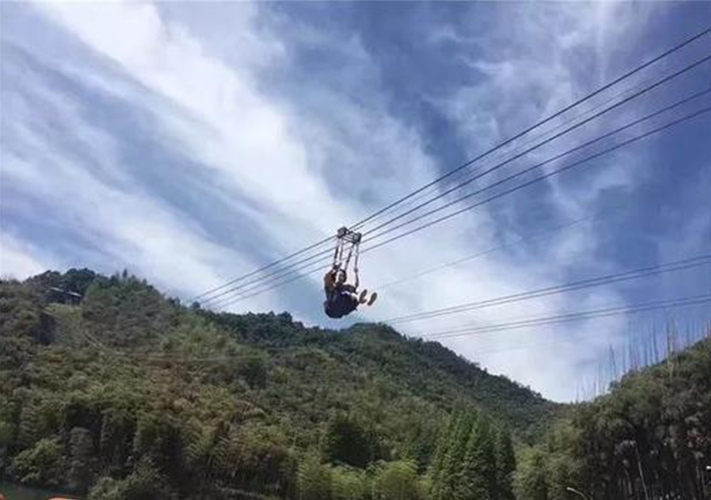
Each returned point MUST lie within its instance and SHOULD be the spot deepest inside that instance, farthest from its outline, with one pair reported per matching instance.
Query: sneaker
(363, 296)
(373, 297)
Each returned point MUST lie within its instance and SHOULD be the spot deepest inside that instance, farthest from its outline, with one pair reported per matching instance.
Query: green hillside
(649, 438)
(128, 394)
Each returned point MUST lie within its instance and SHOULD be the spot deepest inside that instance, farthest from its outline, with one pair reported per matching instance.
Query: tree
(437, 466)
(505, 464)
(145, 483)
(42, 464)
(116, 400)
(347, 442)
(108, 488)
(422, 440)
(254, 370)
(446, 480)
(477, 477)
(349, 484)
(530, 479)
(81, 462)
(313, 480)
(397, 481)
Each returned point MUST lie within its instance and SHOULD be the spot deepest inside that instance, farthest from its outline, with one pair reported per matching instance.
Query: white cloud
(22, 265)
(296, 171)
(257, 148)
(511, 93)
(20, 259)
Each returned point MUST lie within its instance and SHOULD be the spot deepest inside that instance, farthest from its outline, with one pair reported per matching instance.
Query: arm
(329, 280)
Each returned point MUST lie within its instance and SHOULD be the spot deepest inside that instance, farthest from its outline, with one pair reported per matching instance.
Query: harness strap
(355, 263)
(348, 258)
(338, 254)
(353, 241)
(336, 260)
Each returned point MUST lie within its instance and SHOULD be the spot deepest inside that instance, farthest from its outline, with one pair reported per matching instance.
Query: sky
(191, 143)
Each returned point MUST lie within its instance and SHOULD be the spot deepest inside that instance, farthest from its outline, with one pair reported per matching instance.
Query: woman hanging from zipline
(343, 298)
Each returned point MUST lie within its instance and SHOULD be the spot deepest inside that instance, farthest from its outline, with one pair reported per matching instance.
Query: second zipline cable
(359, 224)
(319, 265)
(638, 93)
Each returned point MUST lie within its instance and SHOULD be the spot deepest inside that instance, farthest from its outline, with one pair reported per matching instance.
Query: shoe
(362, 297)
(373, 297)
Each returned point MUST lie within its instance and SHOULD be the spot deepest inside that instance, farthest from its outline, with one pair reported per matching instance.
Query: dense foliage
(123, 393)
(649, 439)
(473, 461)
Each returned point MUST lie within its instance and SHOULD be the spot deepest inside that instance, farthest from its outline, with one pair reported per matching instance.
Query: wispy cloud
(19, 259)
(216, 138)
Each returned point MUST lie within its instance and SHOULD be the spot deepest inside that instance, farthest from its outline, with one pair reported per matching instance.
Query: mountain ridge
(127, 383)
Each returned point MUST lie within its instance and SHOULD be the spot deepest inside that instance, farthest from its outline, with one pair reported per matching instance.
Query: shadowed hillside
(649, 438)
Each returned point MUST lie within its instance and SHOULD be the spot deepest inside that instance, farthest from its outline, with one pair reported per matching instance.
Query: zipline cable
(585, 98)
(538, 124)
(535, 180)
(322, 256)
(552, 138)
(496, 328)
(263, 268)
(319, 265)
(575, 316)
(520, 239)
(662, 110)
(255, 291)
(643, 272)
(566, 339)
(502, 154)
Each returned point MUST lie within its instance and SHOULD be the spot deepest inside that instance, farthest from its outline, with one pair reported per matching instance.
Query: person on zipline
(342, 298)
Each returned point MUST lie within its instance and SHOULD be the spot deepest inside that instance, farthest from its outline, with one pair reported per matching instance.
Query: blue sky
(192, 142)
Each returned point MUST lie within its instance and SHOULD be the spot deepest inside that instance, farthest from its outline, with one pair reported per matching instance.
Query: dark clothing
(339, 303)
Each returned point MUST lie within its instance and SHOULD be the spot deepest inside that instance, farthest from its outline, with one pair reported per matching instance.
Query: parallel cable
(585, 98)
(568, 152)
(486, 172)
(289, 271)
(575, 316)
(538, 137)
(540, 321)
(482, 253)
(556, 136)
(566, 339)
(538, 124)
(302, 272)
(533, 181)
(263, 268)
(322, 256)
(689, 263)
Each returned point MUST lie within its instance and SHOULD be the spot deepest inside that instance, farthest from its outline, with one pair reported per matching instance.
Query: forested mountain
(115, 391)
(648, 439)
